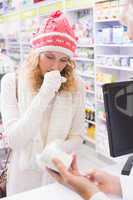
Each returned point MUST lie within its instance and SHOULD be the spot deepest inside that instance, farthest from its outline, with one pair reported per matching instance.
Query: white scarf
(58, 127)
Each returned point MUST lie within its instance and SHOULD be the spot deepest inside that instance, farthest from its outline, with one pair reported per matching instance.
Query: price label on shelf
(12, 17)
(1, 19)
(28, 14)
(72, 4)
(45, 9)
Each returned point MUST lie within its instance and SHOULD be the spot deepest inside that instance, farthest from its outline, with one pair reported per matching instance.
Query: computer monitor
(118, 102)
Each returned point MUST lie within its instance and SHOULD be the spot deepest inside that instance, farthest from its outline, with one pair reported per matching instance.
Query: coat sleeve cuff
(126, 183)
(99, 196)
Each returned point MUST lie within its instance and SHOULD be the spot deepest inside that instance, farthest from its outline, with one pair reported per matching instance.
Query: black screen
(118, 102)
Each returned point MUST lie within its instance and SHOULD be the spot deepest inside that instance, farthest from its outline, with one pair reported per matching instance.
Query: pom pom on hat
(55, 34)
(56, 14)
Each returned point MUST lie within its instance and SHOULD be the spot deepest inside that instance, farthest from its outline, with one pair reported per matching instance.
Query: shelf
(99, 84)
(102, 119)
(84, 59)
(115, 45)
(85, 46)
(90, 108)
(112, 55)
(89, 91)
(89, 121)
(116, 68)
(72, 5)
(107, 20)
(100, 101)
(1, 129)
(85, 75)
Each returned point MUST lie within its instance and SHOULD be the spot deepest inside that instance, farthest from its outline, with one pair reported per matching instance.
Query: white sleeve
(126, 185)
(99, 196)
(78, 123)
(21, 130)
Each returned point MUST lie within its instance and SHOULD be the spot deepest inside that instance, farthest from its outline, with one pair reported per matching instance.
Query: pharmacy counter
(53, 191)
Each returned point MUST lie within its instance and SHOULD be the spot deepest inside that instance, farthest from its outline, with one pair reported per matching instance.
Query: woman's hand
(52, 81)
(74, 180)
(106, 182)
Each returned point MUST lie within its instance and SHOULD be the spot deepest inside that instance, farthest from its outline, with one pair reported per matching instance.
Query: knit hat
(55, 34)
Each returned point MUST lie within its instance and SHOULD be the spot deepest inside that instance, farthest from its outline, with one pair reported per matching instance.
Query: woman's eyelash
(64, 60)
(50, 57)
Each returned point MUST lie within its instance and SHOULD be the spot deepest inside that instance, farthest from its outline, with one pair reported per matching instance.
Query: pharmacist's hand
(52, 81)
(106, 182)
(72, 179)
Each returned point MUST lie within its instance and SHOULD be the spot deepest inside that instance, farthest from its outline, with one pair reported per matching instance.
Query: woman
(50, 103)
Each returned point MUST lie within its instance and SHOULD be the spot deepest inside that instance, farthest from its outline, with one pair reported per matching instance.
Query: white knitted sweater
(23, 125)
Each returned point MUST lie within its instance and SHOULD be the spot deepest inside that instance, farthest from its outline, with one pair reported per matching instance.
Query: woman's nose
(55, 65)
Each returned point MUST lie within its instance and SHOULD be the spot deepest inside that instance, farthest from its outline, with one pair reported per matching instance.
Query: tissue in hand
(51, 151)
(63, 79)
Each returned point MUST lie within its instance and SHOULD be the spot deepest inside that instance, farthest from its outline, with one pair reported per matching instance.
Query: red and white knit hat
(56, 34)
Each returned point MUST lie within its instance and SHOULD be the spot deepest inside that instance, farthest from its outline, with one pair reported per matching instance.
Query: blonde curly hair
(35, 77)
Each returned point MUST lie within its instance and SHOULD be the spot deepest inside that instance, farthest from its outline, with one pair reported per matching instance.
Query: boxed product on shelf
(112, 35)
(89, 84)
(115, 12)
(99, 38)
(85, 68)
(104, 60)
(26, 3)
(6, 6)
(107, 10)
(117, 35)
(90, 101)
(99, 93)
(6, 64)
(101, 113)
(85, 52)
(114, 61)
(2, 43)
(106, 35)
(126, 39)
(131, 61)
(124, 61)
(101, 8)
(84, 26)
(105, 77)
